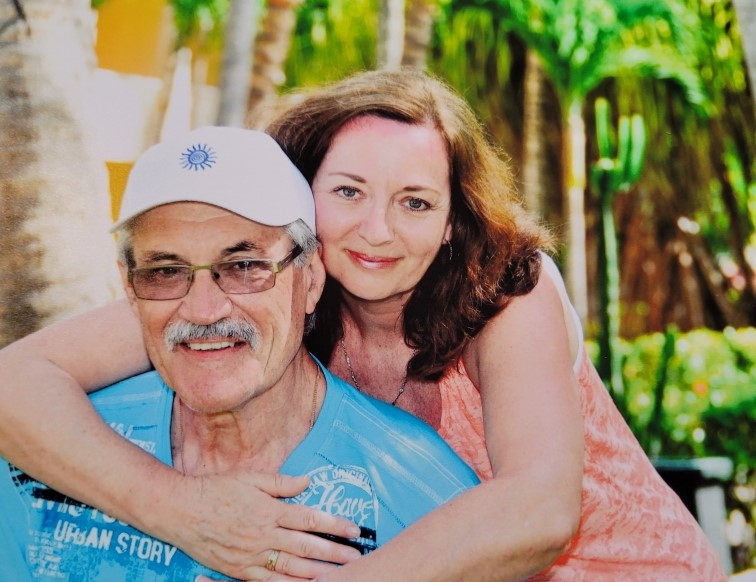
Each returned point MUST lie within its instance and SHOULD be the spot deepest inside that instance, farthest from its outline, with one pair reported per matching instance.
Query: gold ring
(272, 560)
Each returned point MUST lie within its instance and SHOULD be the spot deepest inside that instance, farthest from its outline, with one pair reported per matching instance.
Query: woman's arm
(46, 418)
(49, 429)
(518, 523)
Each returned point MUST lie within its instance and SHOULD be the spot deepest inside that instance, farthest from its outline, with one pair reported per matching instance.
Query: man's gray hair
(299, 233)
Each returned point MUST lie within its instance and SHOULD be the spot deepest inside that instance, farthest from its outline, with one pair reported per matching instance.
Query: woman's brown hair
(495, 244)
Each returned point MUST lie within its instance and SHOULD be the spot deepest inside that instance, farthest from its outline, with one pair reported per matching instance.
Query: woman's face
(382, 201)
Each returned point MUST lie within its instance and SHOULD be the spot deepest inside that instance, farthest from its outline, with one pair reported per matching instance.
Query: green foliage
(709, 393)
(583, 42)
(471, 51)
(199, 18)
(333, 38)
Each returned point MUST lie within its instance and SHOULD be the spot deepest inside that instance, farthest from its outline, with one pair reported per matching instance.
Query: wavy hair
(495, 243)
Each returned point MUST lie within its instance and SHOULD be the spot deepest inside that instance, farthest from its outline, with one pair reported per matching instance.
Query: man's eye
(160, 275)
(243, 265)
(167, 272)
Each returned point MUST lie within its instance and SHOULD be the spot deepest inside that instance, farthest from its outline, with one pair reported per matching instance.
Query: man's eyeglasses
(235, 277)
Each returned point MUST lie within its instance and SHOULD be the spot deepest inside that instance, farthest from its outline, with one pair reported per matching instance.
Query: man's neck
(259, 435)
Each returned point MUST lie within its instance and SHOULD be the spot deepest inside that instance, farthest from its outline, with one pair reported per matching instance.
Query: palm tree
(271, 50)
(418, 32)
(580, 44)
(56, 255)
(533, 158)
(239, 38)
(390, 34)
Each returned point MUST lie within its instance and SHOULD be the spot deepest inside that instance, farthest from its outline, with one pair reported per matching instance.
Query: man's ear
(315, 271)
(123, 270)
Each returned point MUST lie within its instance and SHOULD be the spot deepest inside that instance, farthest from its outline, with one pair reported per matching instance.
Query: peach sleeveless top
(633, 527)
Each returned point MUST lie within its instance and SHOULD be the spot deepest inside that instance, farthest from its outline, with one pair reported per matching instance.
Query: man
(219, 260)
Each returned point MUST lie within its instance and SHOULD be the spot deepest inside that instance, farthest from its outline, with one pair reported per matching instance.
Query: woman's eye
(347, 191)
(417, 204)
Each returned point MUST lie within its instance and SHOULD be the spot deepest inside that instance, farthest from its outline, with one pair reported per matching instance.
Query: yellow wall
(135, 47)
(134, 36)
(118, 172)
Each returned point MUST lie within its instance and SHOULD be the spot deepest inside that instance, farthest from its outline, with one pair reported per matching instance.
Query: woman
(438, 301)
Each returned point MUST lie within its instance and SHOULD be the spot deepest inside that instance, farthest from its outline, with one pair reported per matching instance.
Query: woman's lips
(370, 261)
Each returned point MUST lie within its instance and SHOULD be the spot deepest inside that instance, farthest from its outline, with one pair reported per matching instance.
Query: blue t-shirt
(369, 462)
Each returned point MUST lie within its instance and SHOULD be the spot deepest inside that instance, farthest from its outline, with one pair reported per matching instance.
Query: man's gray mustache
(183, 331)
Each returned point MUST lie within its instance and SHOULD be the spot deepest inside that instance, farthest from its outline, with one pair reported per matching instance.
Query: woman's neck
(373, 355)
(374, 321)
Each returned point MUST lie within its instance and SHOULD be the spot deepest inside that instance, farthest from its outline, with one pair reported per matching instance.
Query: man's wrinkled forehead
(194, 225)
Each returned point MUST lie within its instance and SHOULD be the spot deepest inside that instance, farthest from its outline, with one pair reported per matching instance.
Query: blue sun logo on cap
(198, 157)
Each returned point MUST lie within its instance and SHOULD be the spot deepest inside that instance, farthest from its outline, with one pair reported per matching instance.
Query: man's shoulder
(139, 409)
(391, 433)
(146, 387)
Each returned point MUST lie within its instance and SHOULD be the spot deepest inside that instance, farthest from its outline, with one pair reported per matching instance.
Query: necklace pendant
(356, 384)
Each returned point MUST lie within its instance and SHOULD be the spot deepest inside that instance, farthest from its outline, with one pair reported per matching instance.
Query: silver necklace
(180, 418)
(348, 361)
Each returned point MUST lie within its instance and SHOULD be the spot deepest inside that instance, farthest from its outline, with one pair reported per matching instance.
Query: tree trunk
(533, 157)
(574, 180)
(56, 255)
(241, 27)
(417, 34)
(746, 11)
(271, 50)
(391, 34)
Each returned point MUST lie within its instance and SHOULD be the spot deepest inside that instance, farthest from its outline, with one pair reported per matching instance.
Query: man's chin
(209, 395)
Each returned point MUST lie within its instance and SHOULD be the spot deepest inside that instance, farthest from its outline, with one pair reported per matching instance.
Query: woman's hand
(231, 522)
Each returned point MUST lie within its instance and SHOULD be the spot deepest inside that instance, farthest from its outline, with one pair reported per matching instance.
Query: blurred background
(629, 124)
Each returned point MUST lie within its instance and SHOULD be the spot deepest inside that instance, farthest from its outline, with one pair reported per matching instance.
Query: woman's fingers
(237, 518)
(304, 518)
(298, 568)
(265, 576)
(299, 523)
(288, 568)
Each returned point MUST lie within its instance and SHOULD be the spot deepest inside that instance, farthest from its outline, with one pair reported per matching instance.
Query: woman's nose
(376, 227)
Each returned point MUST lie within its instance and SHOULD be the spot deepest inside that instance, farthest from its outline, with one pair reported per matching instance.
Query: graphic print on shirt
(347, 492)
(68, 539)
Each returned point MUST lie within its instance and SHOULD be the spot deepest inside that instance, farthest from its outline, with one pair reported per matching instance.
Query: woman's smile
(372, 261)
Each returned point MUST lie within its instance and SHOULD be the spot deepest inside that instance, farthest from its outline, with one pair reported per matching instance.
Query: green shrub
(709, 394)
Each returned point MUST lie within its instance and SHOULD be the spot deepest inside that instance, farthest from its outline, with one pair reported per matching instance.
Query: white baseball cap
(240, 170)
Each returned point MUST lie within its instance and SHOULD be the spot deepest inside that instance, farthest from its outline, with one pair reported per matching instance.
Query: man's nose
(376, 226)
(206, 302)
